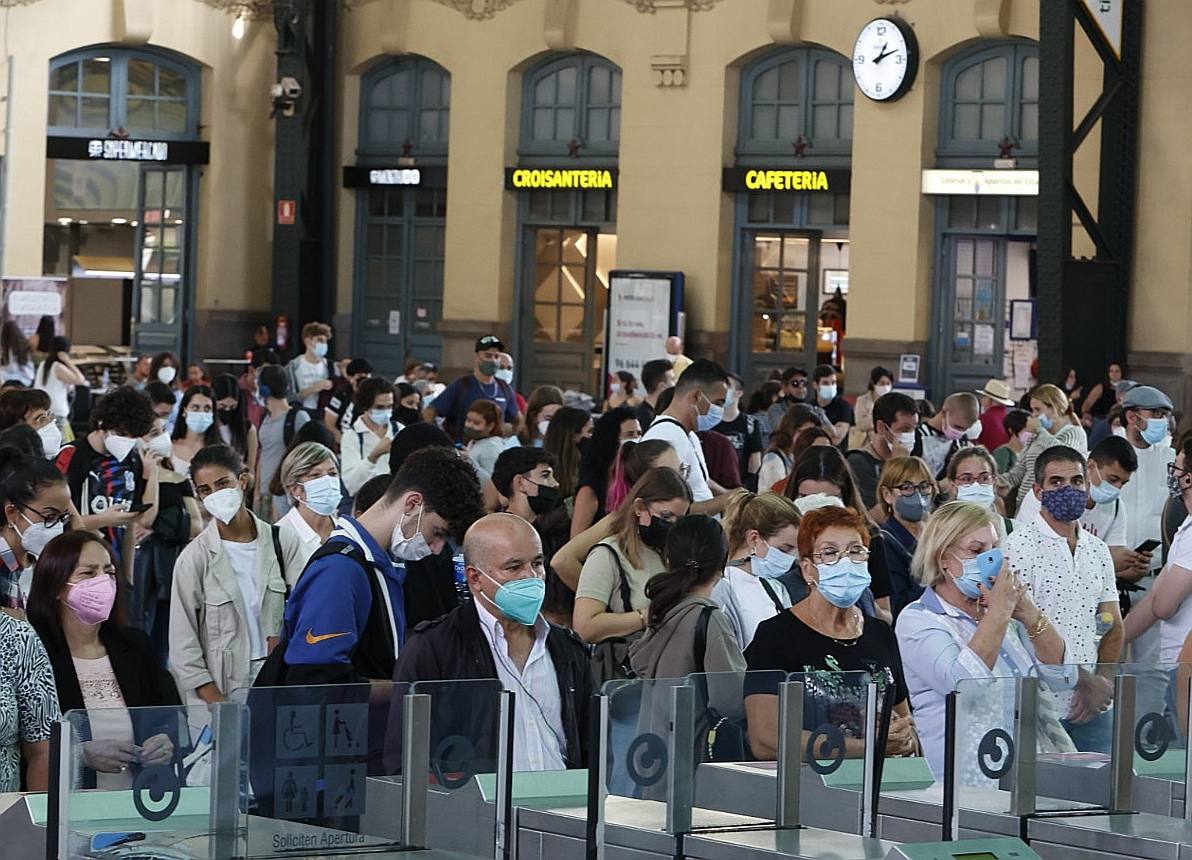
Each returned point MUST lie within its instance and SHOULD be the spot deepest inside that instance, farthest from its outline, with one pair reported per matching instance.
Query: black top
(429, 587)
(838, 410)
(97, 481)
(745, 434)
(645, 414)
(867, 469)
(786, 644)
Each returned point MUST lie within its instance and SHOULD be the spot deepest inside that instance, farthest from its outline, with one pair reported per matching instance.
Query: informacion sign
(908, 369)
(1108, 16)
(639, 311)
(1022, 183)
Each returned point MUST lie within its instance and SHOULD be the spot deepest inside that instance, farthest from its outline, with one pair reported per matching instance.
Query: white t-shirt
(1144, 498)
(242, 558)
(58, 390)
(306, 375)
(691, 453)
(748, 600)
(1107, 521)
(1175, 629)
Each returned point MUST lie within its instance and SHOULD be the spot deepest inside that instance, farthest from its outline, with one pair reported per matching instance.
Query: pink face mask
(92, 599)
(951, 433)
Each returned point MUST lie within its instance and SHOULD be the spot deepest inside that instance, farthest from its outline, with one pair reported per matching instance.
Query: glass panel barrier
(638, 761)
(324, 762)
(464, 752)
(168, 782)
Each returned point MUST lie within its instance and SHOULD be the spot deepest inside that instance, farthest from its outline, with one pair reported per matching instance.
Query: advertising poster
(27, 300)
(641, 315)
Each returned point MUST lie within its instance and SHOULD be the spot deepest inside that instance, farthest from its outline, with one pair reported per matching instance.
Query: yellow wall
(235, 208)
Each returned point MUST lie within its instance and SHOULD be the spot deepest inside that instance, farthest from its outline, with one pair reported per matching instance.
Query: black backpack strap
(772, 595)
(287, 430)
(623, 583)
(281, 564)
(701, 638)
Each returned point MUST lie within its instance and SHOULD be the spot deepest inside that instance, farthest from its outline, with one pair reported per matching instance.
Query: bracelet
(1039, 627)
(642, 615)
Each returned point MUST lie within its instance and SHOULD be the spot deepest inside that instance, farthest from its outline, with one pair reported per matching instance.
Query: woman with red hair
(827, 633)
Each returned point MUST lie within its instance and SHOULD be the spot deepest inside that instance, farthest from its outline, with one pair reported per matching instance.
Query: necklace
(484, 390)
(856, 619)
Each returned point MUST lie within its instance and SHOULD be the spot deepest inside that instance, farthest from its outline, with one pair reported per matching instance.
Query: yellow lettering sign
(786, 180)
(553, 178)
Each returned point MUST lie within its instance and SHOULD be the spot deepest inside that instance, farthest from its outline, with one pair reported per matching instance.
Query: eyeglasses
(685, 470)
(923, 488)
(1176, 472)
(857, 553)
(969, 480)
(798, 383)
(48, 520)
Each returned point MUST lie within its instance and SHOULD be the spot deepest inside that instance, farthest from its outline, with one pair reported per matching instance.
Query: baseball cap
(429, 366)
(1146, 397)
(490, 341)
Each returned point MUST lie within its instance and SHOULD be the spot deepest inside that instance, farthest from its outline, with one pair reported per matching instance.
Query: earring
(811, 584)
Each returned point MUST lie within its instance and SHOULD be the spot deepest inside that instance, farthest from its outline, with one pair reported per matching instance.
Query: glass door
(782, 274)
(159, 280)
(973, 324)
(568, 295)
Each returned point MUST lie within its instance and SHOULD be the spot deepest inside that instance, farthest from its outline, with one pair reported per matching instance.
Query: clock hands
(884, 53)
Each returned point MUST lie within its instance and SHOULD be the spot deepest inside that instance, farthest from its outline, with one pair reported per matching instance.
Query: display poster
(27, 300)
(639, 321)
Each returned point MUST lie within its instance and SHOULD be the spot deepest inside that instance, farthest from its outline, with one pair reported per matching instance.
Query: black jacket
(143, 682)
(453, 648)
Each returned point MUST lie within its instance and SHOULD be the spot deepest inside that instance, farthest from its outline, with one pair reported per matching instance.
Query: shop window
(145, 93)
(799, 93)
(572, 106)
(990, 96)
(406, 108)
(797, 210)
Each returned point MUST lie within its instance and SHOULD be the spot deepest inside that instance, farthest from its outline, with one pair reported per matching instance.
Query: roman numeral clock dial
(885, 59)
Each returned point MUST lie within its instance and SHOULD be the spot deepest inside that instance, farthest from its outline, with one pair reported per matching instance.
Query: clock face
(885, 59)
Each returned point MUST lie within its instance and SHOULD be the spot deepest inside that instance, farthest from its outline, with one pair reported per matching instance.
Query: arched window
(147, 93)
(572, 106)
(797, 93)
(406, 101)
(991, 95)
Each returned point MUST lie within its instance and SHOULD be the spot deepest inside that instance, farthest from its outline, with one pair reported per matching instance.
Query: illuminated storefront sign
(366, 176)
(766, 179)
(583, 179)
(1023, 183)
(111, 149)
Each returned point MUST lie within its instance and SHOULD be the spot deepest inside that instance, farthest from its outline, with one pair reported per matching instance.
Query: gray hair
(301, 460)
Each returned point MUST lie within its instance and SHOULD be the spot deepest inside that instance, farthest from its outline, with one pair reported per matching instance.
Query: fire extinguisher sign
(283, 331)
(287, 211)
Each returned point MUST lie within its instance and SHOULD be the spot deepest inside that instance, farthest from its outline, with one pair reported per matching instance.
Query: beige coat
(209, 640)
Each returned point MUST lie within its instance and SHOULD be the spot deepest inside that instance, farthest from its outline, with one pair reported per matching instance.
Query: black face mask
(227, 416)
(654, 535)
(547, 500)
(406, 415)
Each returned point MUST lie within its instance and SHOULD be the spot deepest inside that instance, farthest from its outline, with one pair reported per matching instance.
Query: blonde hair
(301, 460)
(946, 526)
(898, 471)
(1051, 395)
(966, 401)
(766, 513)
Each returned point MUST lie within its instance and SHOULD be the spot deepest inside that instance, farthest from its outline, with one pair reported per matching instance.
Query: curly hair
(124, 410)
(448, 484)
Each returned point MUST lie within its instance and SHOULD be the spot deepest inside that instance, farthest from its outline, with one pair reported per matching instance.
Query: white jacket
(354, 448)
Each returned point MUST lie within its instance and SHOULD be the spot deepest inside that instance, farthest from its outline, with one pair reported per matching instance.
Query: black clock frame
(912, 59)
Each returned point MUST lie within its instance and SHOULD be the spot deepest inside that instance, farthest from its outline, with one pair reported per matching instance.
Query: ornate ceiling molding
(649, 7)
(249, 8)
(473, 10)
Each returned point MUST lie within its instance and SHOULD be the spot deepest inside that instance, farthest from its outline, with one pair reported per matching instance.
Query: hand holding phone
(141, 508)
(1147, 546)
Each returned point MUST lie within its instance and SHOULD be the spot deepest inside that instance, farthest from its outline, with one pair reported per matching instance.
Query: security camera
(285, 93)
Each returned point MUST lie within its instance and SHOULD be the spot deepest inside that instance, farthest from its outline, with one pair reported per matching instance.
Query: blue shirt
(453, 404)
(331, 602)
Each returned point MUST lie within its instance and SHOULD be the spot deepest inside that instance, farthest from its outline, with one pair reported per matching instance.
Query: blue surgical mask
(380, 416)
(827, 392)
(320, 350)
(1155, 430)
(505, 375)
(773, 564)
(199, 422)
(978, 494)
(323, 494)
(520, 599)
(978, 571)
(1104, 492)
(1045, 421)
(730, 398)
(843, 583)
(714, 416)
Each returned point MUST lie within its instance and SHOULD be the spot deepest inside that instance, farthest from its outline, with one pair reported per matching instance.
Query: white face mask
(974, 432)
(224, 504)
(543, 426)
(882, 390)
(119, 446)
(51, 440)
(165, 375)
(413, 548)
(37, 535)
(160, 445)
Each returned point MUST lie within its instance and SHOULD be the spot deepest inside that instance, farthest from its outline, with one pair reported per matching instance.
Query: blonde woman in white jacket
(229, 586)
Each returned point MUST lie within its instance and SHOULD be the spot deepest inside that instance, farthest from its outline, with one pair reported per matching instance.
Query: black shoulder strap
(287, 430)
(281, 564)
(666, 419)
(701, 638)
(769, 589)
(622, 582)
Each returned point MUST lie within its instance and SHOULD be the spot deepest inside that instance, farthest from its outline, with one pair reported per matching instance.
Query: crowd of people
(312, 522)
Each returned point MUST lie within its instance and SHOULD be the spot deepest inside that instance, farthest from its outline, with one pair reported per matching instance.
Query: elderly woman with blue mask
(975, 620)
(827, 634)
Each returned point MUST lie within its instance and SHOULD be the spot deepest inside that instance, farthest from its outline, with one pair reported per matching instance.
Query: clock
(885, 59)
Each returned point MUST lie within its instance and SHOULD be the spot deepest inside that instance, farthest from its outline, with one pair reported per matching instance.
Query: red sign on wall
(287, 210)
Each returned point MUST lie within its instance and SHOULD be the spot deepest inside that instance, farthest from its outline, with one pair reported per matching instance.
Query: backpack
(288, 429)
(725, 738)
